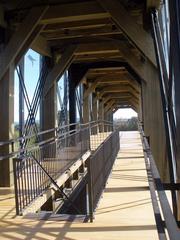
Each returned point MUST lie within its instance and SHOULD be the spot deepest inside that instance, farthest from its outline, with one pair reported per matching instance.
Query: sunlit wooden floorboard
(124, 211)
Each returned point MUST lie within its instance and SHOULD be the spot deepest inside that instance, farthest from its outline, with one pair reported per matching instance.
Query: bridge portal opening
(125, 119)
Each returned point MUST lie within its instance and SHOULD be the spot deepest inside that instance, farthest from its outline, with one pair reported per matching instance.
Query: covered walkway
(124, 211)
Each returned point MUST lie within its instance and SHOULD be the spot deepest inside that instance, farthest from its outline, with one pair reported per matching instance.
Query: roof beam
(97, 82)
(120, 81)
(73, 34)
(114, 77)
(59, 68)
(128, 102)
(19, 38)
(134, 100)
(127, 89)
(119, 88)
(117, 107)
(77, 25)
(122, 103)
(120, 96)
(141, 39)
(74, 12)
(95, 48)
(89, 58)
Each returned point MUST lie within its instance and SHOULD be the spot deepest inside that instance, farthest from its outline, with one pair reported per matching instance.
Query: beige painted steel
(135, 32)
(154, 122)
(19, 39)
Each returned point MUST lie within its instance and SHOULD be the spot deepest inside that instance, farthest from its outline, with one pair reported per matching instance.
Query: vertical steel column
(174, 9)
(94, 111)
(85, 106)
(166, 110)
(48, 109)
(7, 124)
(101, 114)
(66, 96)
(72, 98)
(21, 99)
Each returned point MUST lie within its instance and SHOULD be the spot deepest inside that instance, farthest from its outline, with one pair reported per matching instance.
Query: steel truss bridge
(95, 57)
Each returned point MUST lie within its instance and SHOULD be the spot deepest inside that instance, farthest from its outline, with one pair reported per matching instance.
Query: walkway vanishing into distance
(124, 211)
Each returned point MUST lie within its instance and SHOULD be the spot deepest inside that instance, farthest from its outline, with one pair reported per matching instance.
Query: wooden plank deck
(124, 212)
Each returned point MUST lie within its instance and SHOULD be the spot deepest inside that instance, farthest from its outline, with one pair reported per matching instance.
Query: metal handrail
(170, 222)
(57, 135)
(56, 157)
(41, 164)
(19, 139)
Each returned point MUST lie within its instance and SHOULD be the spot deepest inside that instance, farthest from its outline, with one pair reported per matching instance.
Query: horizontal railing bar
(171, 186)
(56, 137)
(19, 139)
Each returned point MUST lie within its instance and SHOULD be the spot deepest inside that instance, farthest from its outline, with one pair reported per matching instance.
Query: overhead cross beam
(114, 77)
(119, 96)
(129, 102)
(118, 82)
(96, 48)
(77, 33)
(117, 107)
(134, 100)
(141, 39)
(126, 89)
(18, 40)
(119, 49)
(122, 103)
(97, 82)
(119, 88)
(71, 12)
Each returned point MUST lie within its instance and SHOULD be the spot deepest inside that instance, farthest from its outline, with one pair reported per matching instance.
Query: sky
(31, 73)
(125, 113)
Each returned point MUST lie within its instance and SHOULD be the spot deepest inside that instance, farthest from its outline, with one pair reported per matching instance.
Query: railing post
(15, 160)
(90, 190)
